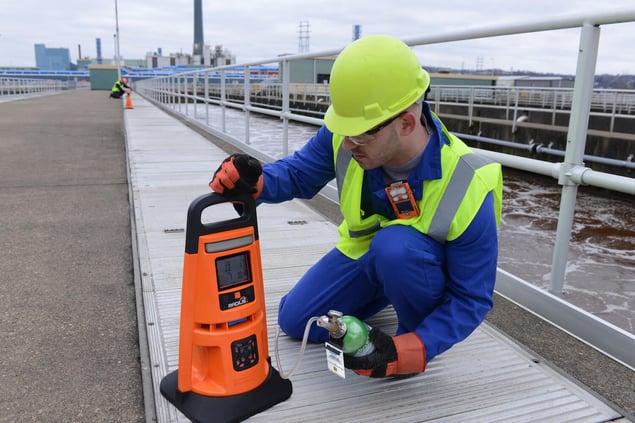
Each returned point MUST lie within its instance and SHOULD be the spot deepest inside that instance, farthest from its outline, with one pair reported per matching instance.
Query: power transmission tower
(479, 64)
(303, 37)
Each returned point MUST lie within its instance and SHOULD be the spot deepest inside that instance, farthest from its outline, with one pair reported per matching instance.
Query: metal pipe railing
(576, 141)
(28, 86)
(532, 147)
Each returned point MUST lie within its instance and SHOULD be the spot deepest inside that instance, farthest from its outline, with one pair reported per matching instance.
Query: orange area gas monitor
(224, 371)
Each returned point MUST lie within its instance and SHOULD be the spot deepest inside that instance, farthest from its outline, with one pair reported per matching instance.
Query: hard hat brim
(348, 126)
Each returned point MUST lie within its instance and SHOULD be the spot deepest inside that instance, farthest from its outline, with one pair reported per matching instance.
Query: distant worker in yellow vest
(120, 88)
(420, 210)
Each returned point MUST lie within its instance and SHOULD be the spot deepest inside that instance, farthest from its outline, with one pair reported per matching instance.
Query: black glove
(393, 356)
(238, 173)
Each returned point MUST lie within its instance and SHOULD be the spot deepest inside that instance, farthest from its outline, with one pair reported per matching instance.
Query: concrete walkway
(68, 339)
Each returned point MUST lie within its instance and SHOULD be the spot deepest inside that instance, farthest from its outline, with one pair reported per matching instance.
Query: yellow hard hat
(373, 79)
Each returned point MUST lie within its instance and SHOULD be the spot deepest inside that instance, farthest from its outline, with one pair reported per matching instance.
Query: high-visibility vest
(447, 206)
(118, 86)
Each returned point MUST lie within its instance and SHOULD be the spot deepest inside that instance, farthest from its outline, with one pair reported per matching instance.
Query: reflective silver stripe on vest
(448, 206)
(341, 164)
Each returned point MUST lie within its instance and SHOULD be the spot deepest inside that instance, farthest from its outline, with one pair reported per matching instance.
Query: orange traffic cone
(129, 101)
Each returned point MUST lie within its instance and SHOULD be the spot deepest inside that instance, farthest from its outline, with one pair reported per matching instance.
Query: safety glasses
(369, 135)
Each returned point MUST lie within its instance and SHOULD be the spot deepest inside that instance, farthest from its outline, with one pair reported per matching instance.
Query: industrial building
(52, 58)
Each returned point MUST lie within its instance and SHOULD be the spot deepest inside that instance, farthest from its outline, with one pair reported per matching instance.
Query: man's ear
(407, 123)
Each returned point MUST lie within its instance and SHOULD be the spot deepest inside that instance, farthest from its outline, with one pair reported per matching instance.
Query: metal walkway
(487, 378)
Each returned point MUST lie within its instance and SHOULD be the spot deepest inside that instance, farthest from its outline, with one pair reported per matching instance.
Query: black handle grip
(196, 228)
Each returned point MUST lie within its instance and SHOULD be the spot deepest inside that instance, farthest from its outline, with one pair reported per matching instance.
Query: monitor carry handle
(244, 204)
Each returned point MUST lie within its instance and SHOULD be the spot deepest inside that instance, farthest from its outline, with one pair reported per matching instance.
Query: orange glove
(238, 173)
(393, 356)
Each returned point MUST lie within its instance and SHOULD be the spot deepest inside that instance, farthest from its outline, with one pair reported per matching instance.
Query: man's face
(382, 149)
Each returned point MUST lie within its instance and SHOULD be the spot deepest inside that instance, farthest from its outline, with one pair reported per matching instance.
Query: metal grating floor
(487, 378)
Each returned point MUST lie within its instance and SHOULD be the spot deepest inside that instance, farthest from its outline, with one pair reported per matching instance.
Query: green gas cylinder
(349, 331)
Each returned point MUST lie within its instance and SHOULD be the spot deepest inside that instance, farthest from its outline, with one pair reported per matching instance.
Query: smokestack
(357, 32)
(98, 51)
(198, 28)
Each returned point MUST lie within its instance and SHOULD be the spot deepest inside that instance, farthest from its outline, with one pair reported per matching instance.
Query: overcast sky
(259, 29)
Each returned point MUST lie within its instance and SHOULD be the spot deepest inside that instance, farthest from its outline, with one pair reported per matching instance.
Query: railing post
(195, 92)
(172, 84)
(437, 100)
(167, 93)
(246, 102)
(179, 96)
(207, 98)
(170, 93)
(554, 106)
(470, 107)
(576, 141)
(285, 108)
(516, 99)
(613, 111)
(179, 86)
(185, 93)
(223, 98)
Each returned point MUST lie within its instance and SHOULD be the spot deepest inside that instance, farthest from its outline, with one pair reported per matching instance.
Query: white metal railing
(184, 92)
(514, 101)
(604, 102)
(608, 103)
(25, 86)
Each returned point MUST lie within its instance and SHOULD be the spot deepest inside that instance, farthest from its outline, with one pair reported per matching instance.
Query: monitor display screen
(232, 270)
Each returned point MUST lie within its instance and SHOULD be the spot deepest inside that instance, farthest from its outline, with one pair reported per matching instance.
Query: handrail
(24, 86)
(179, 94)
